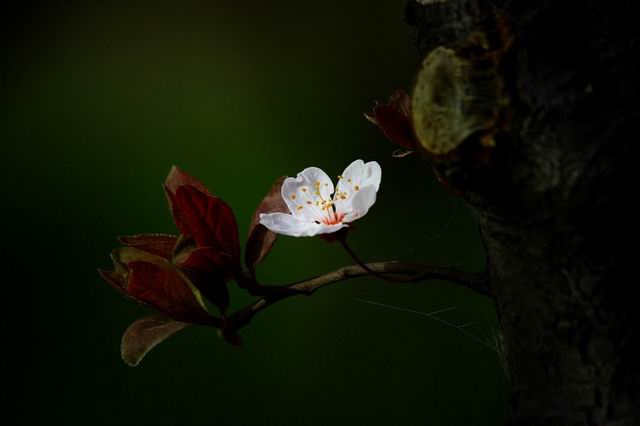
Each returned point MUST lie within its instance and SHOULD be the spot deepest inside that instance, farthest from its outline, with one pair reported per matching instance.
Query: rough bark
(553, 198)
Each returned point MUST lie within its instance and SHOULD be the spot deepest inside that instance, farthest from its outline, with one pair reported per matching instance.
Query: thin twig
(364, 266)
(412, 272)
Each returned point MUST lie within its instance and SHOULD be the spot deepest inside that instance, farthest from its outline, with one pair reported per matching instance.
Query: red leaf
(165, 291)
(144, 334)
(393, 118)
(158, 244)
(116, 280)
(260, 240)
(153, 281)
(209, 220)
(204, 259)
(198, 214)
(207, 269)
(175, 179)
(400, 100)
(178, 177)
(175, 212)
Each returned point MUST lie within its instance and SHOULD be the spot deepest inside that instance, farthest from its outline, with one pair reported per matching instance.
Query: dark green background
(99, 100)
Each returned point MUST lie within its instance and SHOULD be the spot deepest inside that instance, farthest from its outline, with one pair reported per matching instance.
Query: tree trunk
(549, 180)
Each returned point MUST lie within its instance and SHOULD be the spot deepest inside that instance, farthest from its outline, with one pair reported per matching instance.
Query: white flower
(314, 210)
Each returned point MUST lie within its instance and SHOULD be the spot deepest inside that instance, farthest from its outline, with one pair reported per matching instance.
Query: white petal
(356, 176)
(307, 194)
(286, 224)
(361, 203)
(363, 174)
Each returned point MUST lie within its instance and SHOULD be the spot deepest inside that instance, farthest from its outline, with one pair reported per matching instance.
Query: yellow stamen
(357, 188)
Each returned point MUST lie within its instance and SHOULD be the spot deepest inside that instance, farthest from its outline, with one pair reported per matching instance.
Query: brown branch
(413, 273)
(364, 266)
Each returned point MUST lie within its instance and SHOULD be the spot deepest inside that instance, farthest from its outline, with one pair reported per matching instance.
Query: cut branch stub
(453, 99)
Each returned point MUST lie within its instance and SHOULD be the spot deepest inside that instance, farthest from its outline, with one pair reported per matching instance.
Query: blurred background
(99, 99)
